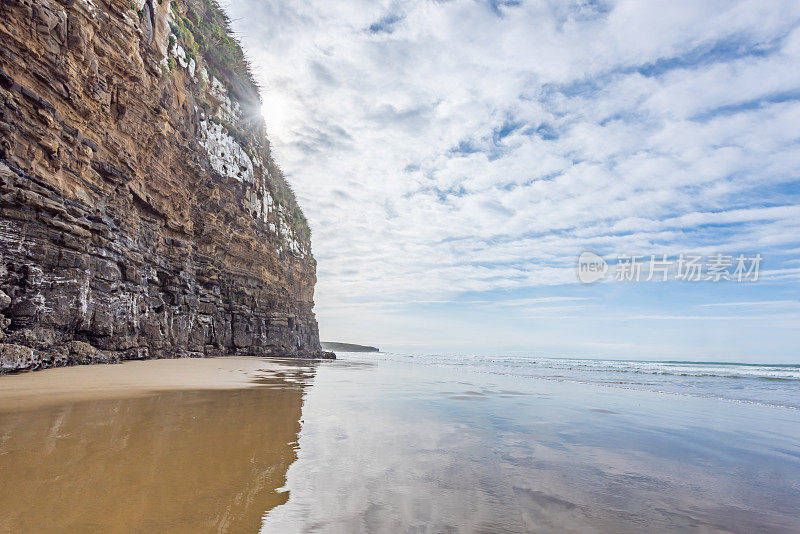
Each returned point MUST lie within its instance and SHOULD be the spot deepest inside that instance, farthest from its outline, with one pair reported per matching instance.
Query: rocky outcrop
(141, 213)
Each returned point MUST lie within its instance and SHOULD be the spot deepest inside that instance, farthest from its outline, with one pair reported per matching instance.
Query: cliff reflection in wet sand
(177, 461)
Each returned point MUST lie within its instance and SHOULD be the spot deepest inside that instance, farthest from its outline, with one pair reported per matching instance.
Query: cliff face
(141, 214)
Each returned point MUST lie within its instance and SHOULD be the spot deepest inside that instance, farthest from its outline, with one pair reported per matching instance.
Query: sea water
(461, 443)
(765, 384)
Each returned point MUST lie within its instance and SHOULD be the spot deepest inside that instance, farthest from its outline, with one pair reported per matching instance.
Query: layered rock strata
(141, 213)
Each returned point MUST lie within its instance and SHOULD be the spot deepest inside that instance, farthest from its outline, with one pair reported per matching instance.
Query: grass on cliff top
(205, 30)
(206, 36)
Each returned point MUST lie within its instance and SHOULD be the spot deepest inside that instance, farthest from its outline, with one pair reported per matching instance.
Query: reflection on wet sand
(172, 461)
(385, 446)
(393, 445)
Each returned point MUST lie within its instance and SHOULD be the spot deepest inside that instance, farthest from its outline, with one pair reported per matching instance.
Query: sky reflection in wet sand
(396, 447)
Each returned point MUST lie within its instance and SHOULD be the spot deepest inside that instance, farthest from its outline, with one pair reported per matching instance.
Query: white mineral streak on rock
(180, 54)
(87, 7)
(228, 111)
(163, 29)
(255, 205)
(267, 204)
(83, 298)
(224, 153)
(184, 61)
(260, 200)
(217, 89)
(257, 160)
(285, 232)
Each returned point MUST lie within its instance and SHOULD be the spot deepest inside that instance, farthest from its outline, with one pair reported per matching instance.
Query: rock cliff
(141, 213)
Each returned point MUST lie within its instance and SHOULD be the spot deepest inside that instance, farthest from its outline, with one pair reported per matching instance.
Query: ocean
(775, 385)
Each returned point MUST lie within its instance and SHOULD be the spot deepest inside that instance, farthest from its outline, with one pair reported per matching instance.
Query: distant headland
(347, 347)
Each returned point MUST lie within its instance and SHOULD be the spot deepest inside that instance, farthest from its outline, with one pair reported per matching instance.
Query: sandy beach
(390, 443)
(154, 446)
(133, 379)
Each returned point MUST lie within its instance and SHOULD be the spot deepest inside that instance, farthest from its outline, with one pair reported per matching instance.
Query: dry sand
(129, 379)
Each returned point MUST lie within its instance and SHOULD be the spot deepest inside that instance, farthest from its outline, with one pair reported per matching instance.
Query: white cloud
(757, 304)
(453, 150)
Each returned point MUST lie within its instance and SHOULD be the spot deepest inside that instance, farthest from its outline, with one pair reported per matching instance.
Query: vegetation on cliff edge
(206, 36)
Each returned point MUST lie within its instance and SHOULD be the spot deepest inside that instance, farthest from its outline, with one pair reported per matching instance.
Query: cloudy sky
(454, 158)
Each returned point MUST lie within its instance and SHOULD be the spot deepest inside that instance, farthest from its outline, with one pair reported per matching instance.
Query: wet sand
(155, 446)
(369, 444)
(408, 446)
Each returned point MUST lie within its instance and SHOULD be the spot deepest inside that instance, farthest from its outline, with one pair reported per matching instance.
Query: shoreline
(136, 378)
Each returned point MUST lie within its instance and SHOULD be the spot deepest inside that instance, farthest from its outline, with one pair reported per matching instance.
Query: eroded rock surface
(141, 214)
